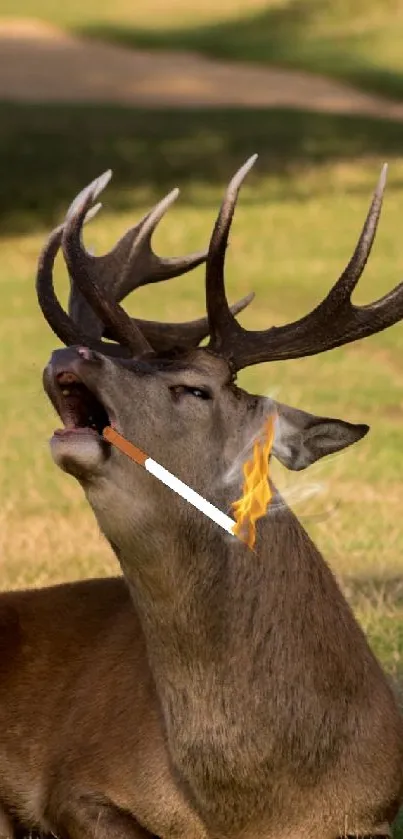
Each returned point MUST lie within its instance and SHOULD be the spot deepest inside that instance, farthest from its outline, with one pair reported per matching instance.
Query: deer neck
(242, 647)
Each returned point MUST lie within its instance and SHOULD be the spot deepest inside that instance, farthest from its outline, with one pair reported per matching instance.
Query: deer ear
(301, 438)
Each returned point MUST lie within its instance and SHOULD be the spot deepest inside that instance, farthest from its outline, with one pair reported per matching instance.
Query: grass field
(359, 42)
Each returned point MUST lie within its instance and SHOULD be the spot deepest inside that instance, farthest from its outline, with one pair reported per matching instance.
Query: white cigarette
(190, 495)
(170, 480)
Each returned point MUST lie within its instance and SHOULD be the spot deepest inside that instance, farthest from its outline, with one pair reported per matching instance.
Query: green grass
(298, 219)
(358, 42)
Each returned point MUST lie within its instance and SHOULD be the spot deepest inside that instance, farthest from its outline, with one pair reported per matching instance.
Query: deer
(250, 699)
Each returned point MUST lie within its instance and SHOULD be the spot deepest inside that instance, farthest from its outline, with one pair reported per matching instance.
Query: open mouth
(79, 409)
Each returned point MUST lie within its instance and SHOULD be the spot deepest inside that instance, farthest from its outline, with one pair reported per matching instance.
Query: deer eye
(182, 390)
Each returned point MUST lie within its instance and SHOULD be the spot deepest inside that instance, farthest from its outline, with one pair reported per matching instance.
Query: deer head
(177, 401)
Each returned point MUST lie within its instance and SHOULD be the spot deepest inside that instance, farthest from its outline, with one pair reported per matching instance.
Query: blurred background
(169, 93)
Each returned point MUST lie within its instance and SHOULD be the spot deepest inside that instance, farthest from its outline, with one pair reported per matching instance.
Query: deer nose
(86, 353)
(70, 358)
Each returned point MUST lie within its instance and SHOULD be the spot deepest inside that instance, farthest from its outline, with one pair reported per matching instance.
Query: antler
(129, 264)
(334, 322)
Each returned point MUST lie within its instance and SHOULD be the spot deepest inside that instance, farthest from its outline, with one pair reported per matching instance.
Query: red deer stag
(258, 706)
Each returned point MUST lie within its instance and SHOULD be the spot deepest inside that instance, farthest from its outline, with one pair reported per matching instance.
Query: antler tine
(123, 328)
(93, 189)
(79, 309)
(168, 336)
(348, 280)
(333, 323)
(62, 325)
(222, 324)
(57, 318)
(142, 265)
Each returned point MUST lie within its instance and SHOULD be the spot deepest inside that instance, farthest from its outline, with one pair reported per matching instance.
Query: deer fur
(82, 750)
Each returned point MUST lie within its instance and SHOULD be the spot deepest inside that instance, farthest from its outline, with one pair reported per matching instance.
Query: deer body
(82, 750)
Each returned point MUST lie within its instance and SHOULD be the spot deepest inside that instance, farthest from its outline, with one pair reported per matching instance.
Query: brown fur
(82, 749)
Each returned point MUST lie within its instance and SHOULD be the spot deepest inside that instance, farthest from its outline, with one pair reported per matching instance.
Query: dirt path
(39, 63)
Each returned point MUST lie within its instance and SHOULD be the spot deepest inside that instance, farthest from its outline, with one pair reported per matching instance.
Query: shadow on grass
(313, 35)
(48, 153)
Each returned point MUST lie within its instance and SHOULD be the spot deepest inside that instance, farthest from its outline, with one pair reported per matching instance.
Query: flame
(256, 495)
